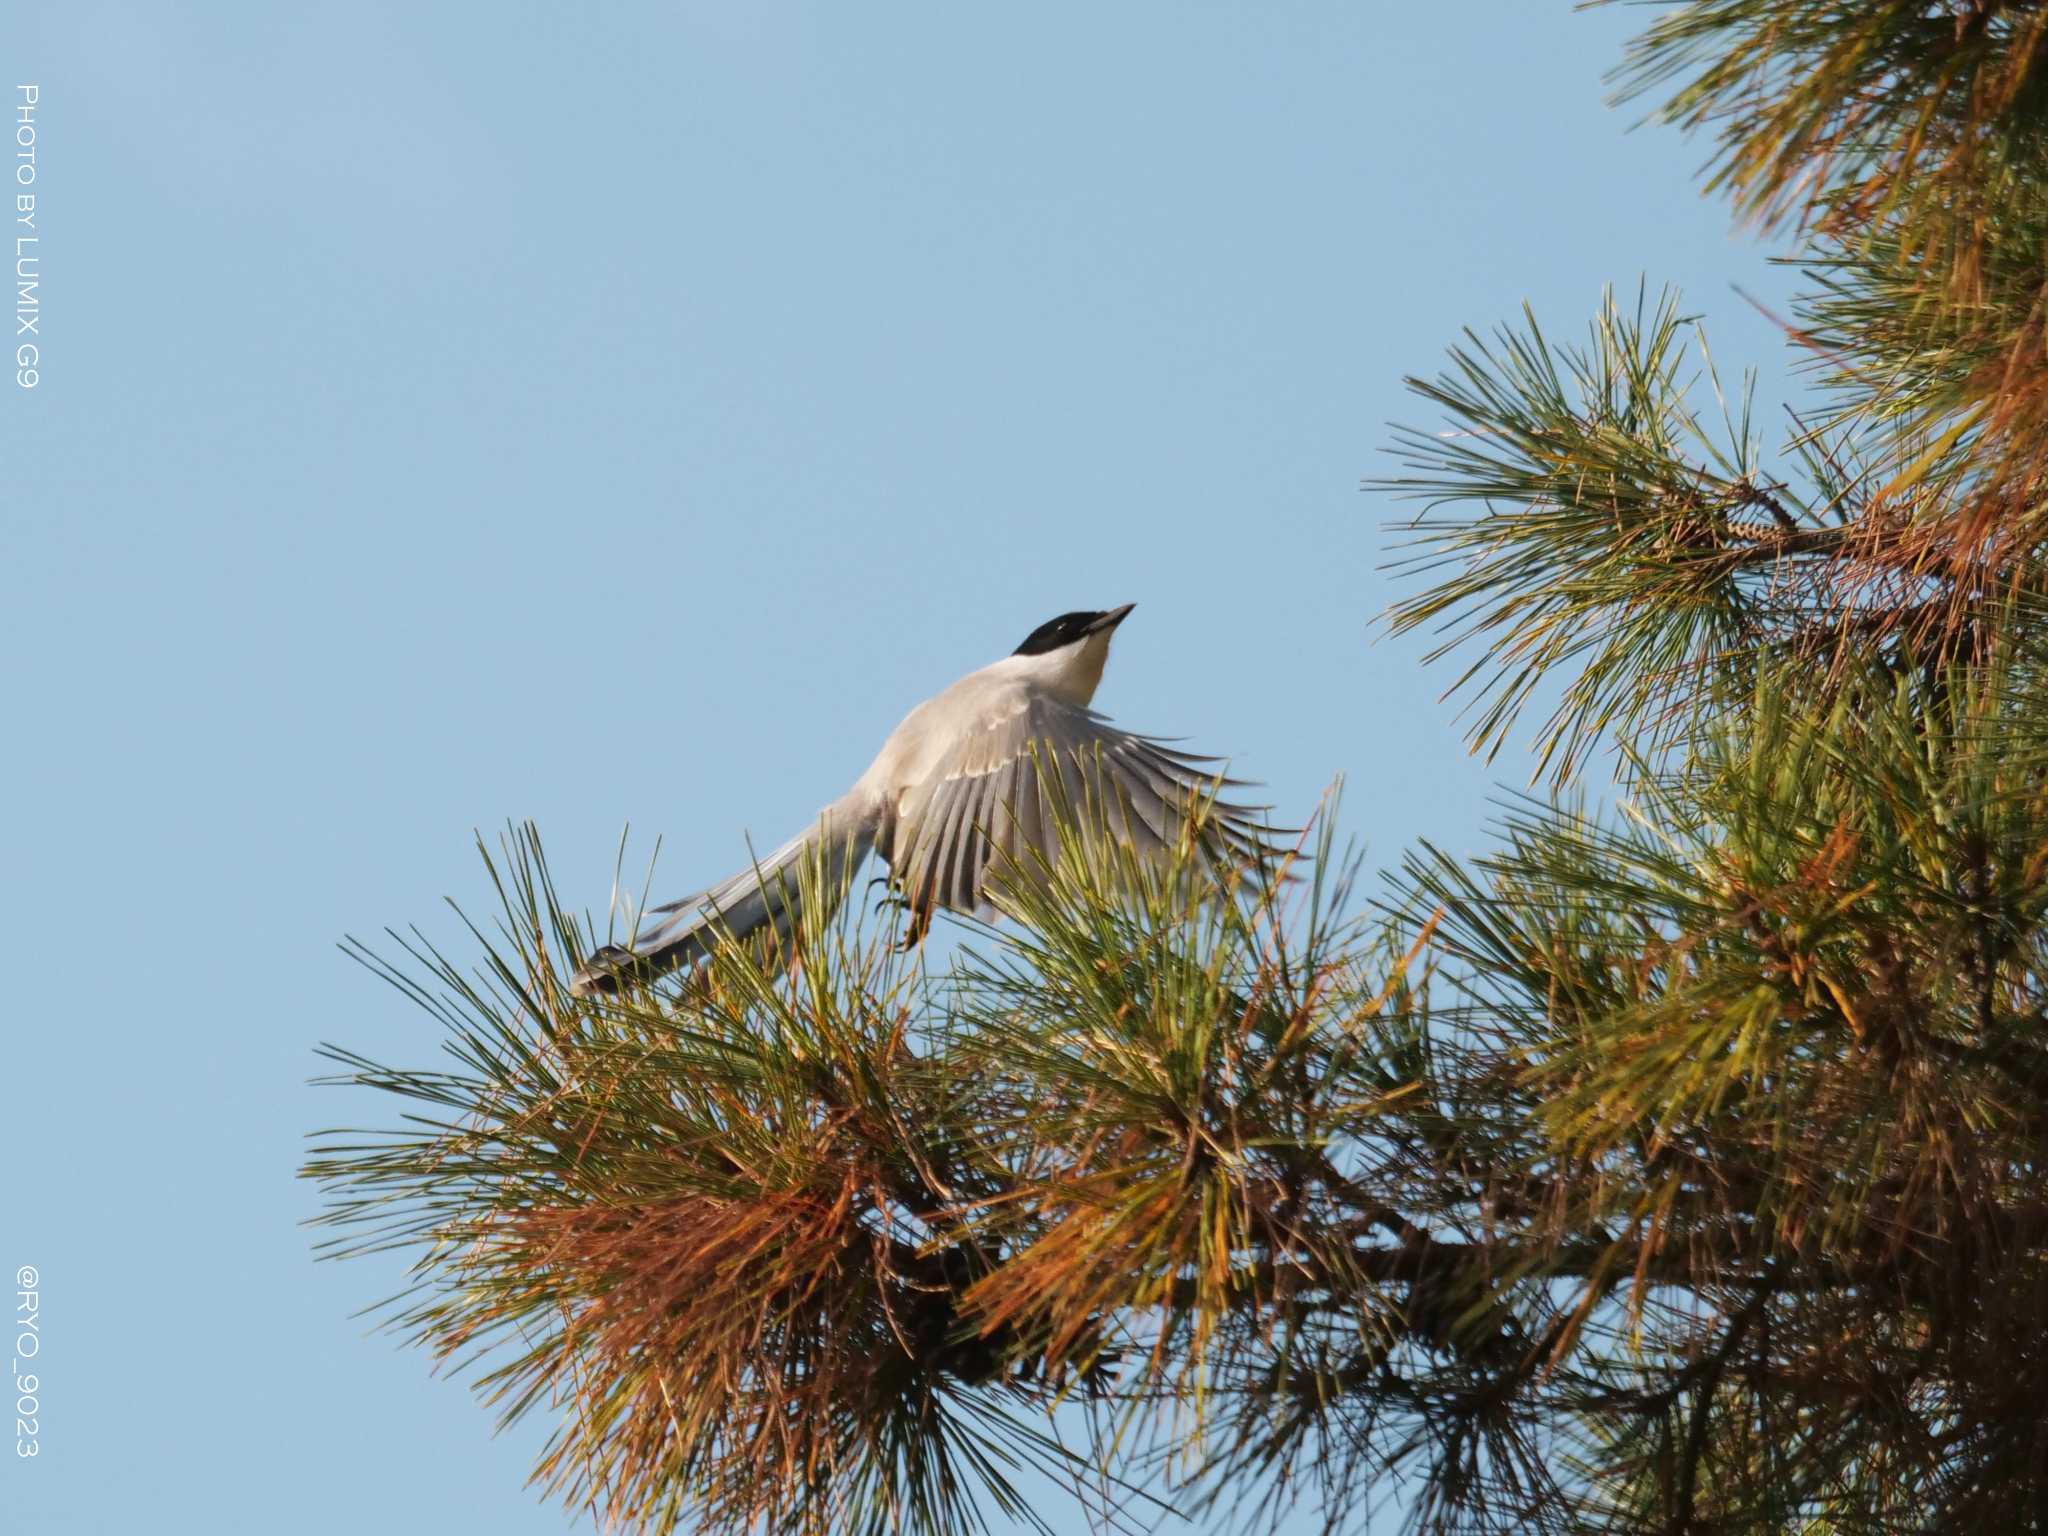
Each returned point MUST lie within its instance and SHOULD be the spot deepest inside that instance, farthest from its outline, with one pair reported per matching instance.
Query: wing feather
(984, 807)
(951, 806)
(967, 852)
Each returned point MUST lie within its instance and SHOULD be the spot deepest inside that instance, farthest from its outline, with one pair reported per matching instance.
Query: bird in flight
(956, 803)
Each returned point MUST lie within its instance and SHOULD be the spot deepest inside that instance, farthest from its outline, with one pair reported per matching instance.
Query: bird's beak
(1111, 619)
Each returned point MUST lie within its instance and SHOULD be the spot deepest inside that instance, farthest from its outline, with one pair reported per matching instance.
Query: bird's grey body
(955, 801)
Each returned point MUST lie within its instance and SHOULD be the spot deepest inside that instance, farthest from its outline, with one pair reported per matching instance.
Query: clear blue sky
(465, 412)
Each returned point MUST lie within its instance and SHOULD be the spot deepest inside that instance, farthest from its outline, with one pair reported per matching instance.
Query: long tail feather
(769, 894)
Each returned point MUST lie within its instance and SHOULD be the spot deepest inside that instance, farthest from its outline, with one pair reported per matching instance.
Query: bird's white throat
(1070, 674)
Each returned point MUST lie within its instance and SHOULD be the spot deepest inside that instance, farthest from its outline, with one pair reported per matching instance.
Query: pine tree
(1676, 1168)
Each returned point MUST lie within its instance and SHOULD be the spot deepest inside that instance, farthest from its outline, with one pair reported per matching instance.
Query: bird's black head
(1068, 628)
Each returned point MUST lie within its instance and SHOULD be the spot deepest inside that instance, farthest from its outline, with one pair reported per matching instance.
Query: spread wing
(988, 809)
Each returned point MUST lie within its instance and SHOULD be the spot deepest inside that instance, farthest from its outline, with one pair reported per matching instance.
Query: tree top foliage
(1677, 1167)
